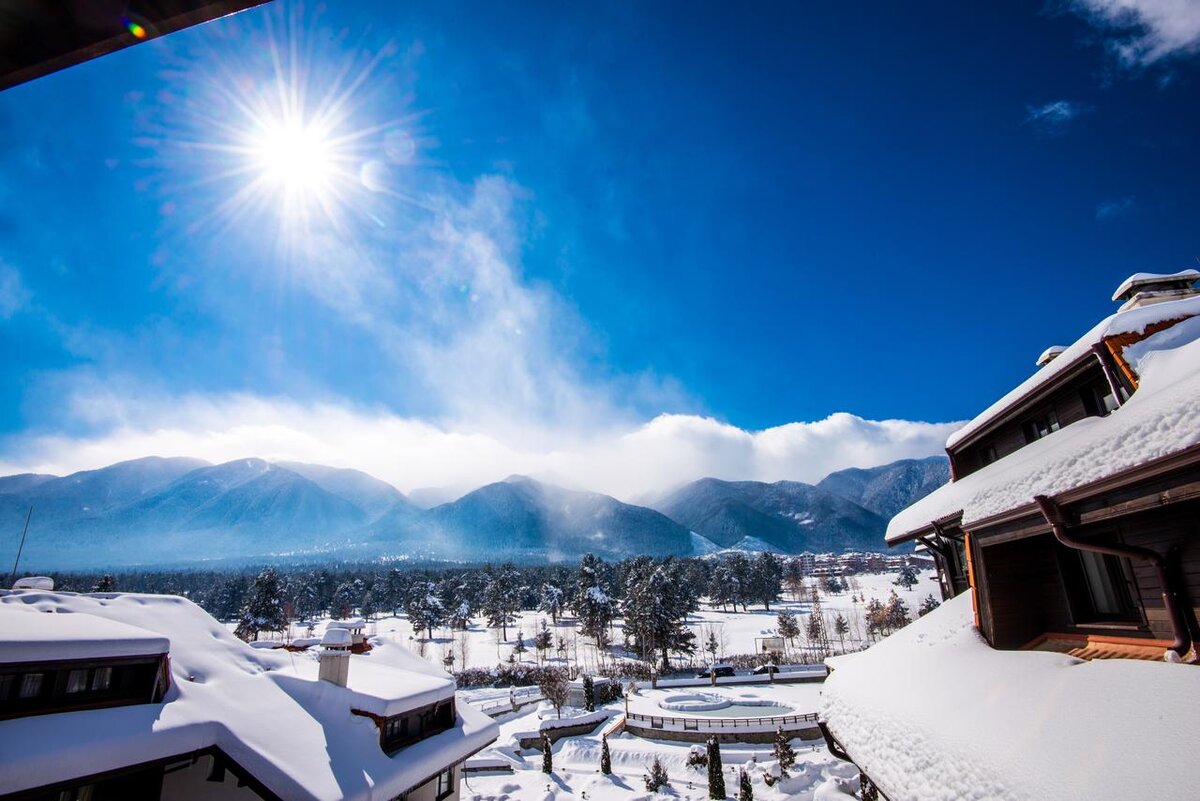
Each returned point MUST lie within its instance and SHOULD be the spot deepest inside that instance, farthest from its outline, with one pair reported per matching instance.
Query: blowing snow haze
(184, 511)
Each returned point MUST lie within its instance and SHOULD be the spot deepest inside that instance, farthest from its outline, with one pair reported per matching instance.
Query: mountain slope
(889, 488)
(787, 515)
(523, 518)
(372, 496)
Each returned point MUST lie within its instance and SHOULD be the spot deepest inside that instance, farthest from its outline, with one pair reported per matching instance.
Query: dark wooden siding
(1021, 590)
(1066, 401)
(1174, 532)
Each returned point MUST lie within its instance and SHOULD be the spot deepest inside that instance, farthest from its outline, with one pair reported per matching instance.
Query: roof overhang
(38, 37)
(1125, 479)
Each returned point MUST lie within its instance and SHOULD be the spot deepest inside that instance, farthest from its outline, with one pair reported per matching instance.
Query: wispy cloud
(1115, 207)
(1146, 31)
(625, 460)
(13, 295)
(1053, 117)
(487, 372)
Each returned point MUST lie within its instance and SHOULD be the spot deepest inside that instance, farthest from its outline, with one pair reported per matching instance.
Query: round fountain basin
(713, 705)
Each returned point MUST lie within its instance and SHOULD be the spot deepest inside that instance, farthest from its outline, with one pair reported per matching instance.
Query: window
(1040, 426)
(101, 679)
(987, 455)
(77, 681)
(1098, 400)
(401, 730)
(31, 685)
(1100, 588)
(445, 783)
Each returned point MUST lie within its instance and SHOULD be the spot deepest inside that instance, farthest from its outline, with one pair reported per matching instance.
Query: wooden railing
(706, 723)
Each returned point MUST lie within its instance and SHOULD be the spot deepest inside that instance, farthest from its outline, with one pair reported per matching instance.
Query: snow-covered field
(736, 632)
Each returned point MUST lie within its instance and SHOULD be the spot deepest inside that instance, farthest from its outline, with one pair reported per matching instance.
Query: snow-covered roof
(352, 623)
(1141, 279)
(933, 713)
(1126, 322)
(1160, 419)
(265, 709)
(29, 636)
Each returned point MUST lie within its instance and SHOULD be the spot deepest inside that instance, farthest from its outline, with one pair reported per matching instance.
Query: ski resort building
(1067, 544)
(121, 696)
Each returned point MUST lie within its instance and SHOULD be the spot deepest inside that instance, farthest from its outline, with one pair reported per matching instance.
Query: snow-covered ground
(816, 776)
(736, 632)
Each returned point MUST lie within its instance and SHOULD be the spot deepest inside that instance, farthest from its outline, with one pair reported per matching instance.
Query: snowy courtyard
(576, 763)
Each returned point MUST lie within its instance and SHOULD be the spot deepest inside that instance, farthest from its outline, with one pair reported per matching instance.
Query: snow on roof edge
(1161, 419)
(1147, 278)
(1120, 322)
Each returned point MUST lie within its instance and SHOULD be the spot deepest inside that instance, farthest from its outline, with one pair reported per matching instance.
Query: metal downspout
(1170, 593)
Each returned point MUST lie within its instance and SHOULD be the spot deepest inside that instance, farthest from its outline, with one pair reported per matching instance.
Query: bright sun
(296, 157)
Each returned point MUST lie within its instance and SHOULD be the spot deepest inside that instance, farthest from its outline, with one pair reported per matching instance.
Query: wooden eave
(1156, 468)
(1032, 398)
(38, 37)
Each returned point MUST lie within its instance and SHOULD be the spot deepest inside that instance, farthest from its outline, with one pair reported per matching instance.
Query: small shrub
(657, 777)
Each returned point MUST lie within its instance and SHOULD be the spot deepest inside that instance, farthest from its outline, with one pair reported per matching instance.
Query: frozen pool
(714, 705)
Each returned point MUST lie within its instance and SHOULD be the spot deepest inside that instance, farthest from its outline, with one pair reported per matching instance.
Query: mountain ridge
(176, 510)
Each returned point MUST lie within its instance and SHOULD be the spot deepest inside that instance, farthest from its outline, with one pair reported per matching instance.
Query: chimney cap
(336, 638)
(1139, 281)
(1050, 354)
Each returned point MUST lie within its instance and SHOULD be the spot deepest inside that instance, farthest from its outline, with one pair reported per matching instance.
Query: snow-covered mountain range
(186, 511)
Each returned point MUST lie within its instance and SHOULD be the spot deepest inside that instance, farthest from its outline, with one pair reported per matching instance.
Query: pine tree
(424, 608)
(519, 647)
(766, 578)
(501, 598)
(657, 777)
(786, 623)
(344, 599)
(745, 790)
(716, 772)
(656, 605)
(605, 756)
(816, 628)
(551, 601)
(928, 605)
(543, 641)
(841, 628)
(593, 602)
(907, 578)
(106, 583)
(547, 755)
(589, 693)
(783, 752)
(263, 607)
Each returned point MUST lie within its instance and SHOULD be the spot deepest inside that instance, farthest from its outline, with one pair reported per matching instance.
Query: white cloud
(1147, 30)
(626, 461)
(1055, 115)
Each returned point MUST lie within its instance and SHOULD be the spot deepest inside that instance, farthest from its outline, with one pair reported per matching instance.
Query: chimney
(334, 659)
(1145, 289)
(1049, 354)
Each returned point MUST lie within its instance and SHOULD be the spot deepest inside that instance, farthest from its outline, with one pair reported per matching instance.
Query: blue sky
(619, 246)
